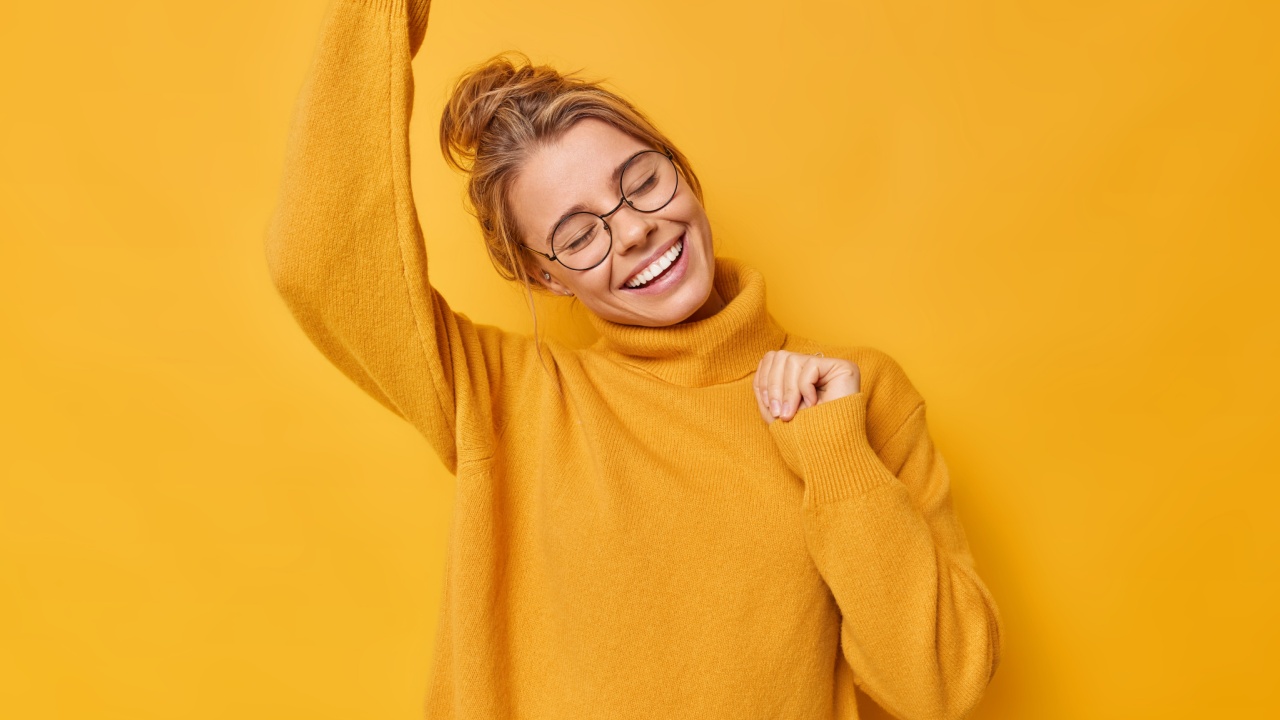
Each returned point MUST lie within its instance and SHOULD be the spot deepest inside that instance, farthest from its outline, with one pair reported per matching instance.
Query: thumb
(837, 378)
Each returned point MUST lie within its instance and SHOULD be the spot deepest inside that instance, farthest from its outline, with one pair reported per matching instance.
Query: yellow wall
(1060, 217)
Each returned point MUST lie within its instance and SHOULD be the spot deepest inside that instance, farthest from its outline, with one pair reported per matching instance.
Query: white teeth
(657, 266)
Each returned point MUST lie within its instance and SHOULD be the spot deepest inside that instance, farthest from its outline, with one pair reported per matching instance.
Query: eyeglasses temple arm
(539, 252)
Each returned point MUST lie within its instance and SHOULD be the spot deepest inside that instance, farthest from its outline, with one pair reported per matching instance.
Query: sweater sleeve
(919, 628)
(345, 248)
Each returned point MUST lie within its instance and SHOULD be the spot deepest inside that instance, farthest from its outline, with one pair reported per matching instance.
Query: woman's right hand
(787, 382)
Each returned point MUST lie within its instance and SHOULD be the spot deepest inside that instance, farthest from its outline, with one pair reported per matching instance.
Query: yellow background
(1060, 217)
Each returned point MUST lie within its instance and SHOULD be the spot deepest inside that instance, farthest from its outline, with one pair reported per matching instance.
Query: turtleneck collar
(724, 347)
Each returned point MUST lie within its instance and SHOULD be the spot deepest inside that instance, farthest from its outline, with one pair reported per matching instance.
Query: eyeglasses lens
(649, 182)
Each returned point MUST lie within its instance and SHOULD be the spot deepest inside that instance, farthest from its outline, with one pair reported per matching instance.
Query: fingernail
(775, 408)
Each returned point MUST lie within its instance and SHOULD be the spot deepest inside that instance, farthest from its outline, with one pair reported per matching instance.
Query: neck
(713, 305)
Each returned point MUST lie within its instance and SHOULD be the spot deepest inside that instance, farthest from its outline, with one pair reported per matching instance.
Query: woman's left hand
(788, 382)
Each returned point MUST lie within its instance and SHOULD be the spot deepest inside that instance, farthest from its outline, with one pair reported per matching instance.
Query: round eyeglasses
(647, 182)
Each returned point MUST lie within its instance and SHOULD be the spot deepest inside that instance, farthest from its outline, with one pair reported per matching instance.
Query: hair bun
(505, 81)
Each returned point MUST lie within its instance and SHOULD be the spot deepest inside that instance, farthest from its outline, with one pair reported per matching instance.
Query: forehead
(574, 169)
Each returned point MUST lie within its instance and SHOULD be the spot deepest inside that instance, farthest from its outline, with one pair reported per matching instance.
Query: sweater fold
(722, 348)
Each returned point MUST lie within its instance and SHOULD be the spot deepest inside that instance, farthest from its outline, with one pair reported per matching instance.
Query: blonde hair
(501, 110)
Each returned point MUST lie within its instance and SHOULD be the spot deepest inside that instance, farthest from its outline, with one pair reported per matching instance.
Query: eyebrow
(615, 178)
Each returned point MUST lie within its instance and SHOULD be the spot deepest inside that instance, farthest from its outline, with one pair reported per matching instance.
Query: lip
(672, 277)
(654, 256)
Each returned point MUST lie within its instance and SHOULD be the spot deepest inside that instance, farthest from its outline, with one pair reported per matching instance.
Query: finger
(761, 405)
(836, 379)
(762, 375)
(758, 386)
(808, 381)
(791, 380)
(776, 383)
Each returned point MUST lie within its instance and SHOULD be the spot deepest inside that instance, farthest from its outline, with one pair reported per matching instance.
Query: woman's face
(577, 171)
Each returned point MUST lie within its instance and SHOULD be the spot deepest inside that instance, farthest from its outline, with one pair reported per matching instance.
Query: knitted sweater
(631, 539)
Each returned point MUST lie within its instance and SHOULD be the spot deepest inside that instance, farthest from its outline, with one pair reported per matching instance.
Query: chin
(697, 288)
(689, 300)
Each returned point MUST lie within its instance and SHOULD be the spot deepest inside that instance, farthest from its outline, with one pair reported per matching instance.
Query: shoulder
(891, 396)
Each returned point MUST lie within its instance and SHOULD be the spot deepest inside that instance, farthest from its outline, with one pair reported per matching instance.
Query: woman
(699, 516)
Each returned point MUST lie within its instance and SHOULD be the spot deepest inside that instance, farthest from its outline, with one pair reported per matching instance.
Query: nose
(631, 228)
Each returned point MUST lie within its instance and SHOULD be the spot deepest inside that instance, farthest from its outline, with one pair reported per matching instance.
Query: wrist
(827, 446)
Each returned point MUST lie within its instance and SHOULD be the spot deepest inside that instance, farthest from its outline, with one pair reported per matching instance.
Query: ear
(548, 280)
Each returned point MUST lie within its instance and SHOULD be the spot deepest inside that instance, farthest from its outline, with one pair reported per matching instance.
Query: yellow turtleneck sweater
(630, 539)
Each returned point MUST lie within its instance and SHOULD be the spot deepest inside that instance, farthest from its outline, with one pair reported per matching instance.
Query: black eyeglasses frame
(665, 152)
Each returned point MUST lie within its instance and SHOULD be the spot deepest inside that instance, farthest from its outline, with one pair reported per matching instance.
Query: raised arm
(919, 628)
(345, 248)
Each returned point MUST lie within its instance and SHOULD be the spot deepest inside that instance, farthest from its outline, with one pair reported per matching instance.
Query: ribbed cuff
(827, 446)
(417, 12)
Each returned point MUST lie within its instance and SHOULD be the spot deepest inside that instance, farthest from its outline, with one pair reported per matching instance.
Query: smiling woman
(698, 516)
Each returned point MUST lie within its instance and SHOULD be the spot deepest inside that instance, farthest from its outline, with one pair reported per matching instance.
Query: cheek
(594, 282)
(691, 214)
(697, 217)
(703, 225)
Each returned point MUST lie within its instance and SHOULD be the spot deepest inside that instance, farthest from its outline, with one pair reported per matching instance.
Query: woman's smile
(660, 274)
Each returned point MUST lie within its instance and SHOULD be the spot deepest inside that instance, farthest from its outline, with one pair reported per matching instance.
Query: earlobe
(552, 284)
